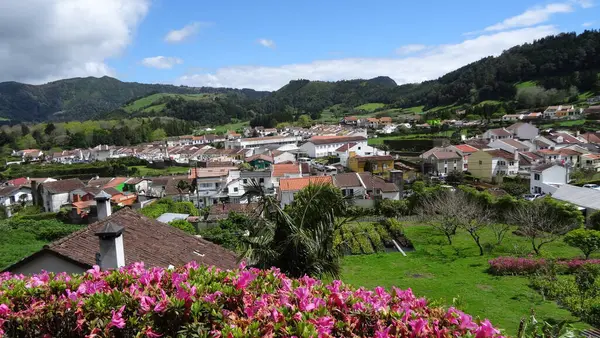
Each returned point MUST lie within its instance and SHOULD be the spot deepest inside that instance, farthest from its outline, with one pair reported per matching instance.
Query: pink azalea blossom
(117, 318)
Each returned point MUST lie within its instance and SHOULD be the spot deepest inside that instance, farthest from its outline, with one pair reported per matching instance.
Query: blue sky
(265, 44)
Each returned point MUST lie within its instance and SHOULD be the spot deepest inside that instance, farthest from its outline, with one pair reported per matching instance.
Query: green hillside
(156, 102)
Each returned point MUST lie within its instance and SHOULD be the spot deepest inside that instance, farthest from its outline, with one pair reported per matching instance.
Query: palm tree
(182, 186)
(300, 238)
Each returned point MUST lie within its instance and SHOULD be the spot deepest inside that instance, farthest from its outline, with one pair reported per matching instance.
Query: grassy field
(569, 123)
(230, 126)
(443, 273)
(380, 139)
(370, 106)
(145, 103)
(145, 171)
(16, 244)
(483, 103)
(414, 110)
(526, 84)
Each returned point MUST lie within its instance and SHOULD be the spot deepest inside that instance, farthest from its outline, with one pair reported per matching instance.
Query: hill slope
(84, 98)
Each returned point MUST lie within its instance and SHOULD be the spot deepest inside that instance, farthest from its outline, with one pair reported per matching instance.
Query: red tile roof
(500, 132)
(145, 240)
(375, 158)
(465, 148)
(295, 184)
(263, 157)
(280, 169)
(548, 152)
(345, 147)
(501, 153)
(569, 152)
(63, 186)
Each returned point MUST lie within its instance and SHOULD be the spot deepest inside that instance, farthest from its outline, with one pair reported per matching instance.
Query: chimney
(516, 155)
(103, 205)
(112, 253)
(397, 177)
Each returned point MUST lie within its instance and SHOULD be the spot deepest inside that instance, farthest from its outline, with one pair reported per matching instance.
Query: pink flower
(297, 316)
(212, 297)
(117, 319)
(486, 330)
(324, 325)
(383, 333)
(4, 310)
(95, 333)
(466, 322)
(146, 303)
(419, 327)
(161, 306)
(246, 277)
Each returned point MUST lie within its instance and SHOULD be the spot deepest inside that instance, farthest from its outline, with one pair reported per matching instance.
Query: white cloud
(409, 49)
(588, 24)
(531, 17)
(179, 35)
(161, 62)
(45, 40)
(584, 3)
(267, 43)
(437, 61)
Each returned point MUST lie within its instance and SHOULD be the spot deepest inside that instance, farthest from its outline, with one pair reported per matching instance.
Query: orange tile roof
(295, 184)
(283, 168)
(465, 148)
(115, 182)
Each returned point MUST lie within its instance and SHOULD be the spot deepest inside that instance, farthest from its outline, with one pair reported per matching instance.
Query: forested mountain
(84, 98)
(559, 67)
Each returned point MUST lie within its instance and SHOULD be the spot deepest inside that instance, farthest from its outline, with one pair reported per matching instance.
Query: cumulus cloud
(180, 35)
(588, 24)
(531, 17)
(584, 3)
(45, 40)
(409, 49)
(161, 62)
(267, 43)
(428, 65)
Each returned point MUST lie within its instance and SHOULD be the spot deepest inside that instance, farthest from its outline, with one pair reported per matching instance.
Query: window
(480, 162)
(536, 177)
(445, 170)
(501, 163)
(374, 166)
(261, 180)
(511, 163)
(454, 162)
(235, 189)
(445, 161)
(205, 185)
(245, 180)
(384, 166)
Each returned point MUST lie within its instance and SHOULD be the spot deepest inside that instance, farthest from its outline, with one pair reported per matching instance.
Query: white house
(11, 195)
(523, 131)
(255, 142)
(351, 185)
(497, 134)
(283, 156)
(503, 162)
(512, 117)
(56, 194)
(359, 149)
(321, 146)
(465, 150)
(510, 145)
(547, 178)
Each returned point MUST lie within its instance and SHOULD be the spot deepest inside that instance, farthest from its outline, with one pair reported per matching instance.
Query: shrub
(202, 302)
(587, 241)
(516, 265)
(184, 225)
(595, 220)
(392, 208)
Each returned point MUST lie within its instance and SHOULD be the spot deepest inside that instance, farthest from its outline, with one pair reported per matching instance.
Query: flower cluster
(527, 266)
(516, 265)
(200, 301)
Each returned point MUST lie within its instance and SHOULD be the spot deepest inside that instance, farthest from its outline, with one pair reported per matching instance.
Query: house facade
(13, 195)
(497, 134)
(56, 194)
(487, 163)
(289, 186)
(547, 178)
(442, 160)
(375, 164)
(322, 146)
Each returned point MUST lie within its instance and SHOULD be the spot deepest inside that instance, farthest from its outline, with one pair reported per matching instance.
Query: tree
(595, 220)
(588, 241)
(182, 186)
(455, 177)
(50, 128)
(544, 220)
(384, 147)
(391, 208)
(300, 239)
(184, 225)
(24, 129)
(158, 134)
(304, 121)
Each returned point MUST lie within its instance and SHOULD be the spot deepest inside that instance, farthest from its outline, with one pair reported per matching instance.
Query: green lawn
(370, 106)
(16, 244)
(526, 84)
(230, 126)
(147, 101)
(569, 123)
(482, 103)
(414, 110)
(145, 171)
(442, 273)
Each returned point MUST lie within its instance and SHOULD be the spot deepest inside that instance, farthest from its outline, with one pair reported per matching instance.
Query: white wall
(498, 144)
(391, 195)
(287, 197)
(284, 157)
(53, 202)
(552, 175)
(47, 262)
(322, 150)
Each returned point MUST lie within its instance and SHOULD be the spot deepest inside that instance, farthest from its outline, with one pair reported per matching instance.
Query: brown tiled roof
(500, 132)
(63, 186)
(226, 208)
(591, 137)
(479, 144)
(335, 139)
(374, 182)
(568, 152)
(548, 152)
(99, 182)
(444, 155)
(145, 240)
(116, 181)
(345, 147)
(515, 143)
(501, 153)
(346, 180)
(7, 190)
(566, 138)
(171, 186)
(543, 167)
(260, 157)
(385, 119)
(350, 118)
(294, 184)
(283, 168)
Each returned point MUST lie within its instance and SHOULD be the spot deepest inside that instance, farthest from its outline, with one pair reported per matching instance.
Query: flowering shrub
(207, 302)
(527, 266)
(516, 265)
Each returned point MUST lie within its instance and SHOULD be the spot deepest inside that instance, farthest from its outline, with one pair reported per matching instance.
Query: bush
(516, 266)
(191, 301)
(594, 221)
(184, 225)
(392, 208)
(588, 241)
